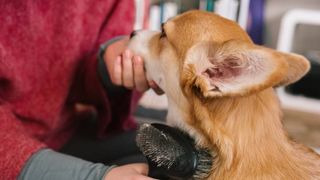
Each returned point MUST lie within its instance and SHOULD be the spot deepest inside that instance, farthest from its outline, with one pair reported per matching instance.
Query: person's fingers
(131, 171)
(117, 72)
(141, 168)
(140, 81)
(127, 71)
(145, 178)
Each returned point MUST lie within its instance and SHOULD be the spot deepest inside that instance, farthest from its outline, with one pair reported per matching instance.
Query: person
(49, 84)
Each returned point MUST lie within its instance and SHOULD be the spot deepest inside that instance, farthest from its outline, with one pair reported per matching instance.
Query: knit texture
(48, 64)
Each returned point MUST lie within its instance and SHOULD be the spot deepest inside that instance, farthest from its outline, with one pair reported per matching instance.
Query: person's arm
(24, 156)
(50, 165)
(114, 111)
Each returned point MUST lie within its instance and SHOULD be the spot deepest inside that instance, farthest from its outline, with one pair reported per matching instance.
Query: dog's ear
(238, 68)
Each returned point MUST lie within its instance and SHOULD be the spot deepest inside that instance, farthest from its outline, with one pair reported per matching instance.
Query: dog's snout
(133, 33)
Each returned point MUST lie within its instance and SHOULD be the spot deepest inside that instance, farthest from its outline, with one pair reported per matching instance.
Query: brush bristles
(151, 142)
(162, 149)
(204, 167)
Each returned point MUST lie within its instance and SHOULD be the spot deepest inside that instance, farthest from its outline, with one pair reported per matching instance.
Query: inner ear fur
(238, 68)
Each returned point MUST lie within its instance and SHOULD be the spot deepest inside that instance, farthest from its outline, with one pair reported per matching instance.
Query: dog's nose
(133, 33)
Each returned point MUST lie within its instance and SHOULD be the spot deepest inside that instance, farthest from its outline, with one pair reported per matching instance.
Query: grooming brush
(172, 154)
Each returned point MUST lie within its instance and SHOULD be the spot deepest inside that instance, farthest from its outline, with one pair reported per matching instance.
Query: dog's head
(203, 54)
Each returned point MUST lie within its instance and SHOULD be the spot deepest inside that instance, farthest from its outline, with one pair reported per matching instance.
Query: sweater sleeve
(114, 110)
(51, 165)
(16, 143)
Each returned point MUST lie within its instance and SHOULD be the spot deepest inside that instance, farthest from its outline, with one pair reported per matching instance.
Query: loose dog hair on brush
(172, 153)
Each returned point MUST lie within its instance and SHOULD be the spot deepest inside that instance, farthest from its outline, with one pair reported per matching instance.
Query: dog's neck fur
(245, 121)
(237, 126)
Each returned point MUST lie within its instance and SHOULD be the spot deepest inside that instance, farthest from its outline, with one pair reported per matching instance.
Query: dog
(220, 89)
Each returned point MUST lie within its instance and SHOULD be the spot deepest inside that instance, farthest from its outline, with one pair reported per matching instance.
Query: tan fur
(241, 118)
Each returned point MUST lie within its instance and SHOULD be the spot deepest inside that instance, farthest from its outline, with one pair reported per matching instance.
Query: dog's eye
(163, 34)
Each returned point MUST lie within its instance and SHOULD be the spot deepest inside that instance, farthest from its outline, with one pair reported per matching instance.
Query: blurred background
(286, 25)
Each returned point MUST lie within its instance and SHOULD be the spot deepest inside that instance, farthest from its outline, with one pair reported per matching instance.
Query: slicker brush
(172, 154)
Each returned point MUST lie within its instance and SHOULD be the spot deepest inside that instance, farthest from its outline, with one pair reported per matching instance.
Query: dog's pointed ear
(238, 68)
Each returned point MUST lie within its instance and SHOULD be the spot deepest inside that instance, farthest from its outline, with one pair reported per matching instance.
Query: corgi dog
(220, 90)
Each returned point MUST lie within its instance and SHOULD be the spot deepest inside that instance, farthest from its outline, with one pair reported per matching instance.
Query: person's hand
(125, 68)
(136, 171)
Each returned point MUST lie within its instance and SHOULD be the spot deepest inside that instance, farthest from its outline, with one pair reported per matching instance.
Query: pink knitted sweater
(48, 53)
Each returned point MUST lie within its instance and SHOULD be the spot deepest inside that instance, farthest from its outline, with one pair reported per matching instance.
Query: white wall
(307, 37)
